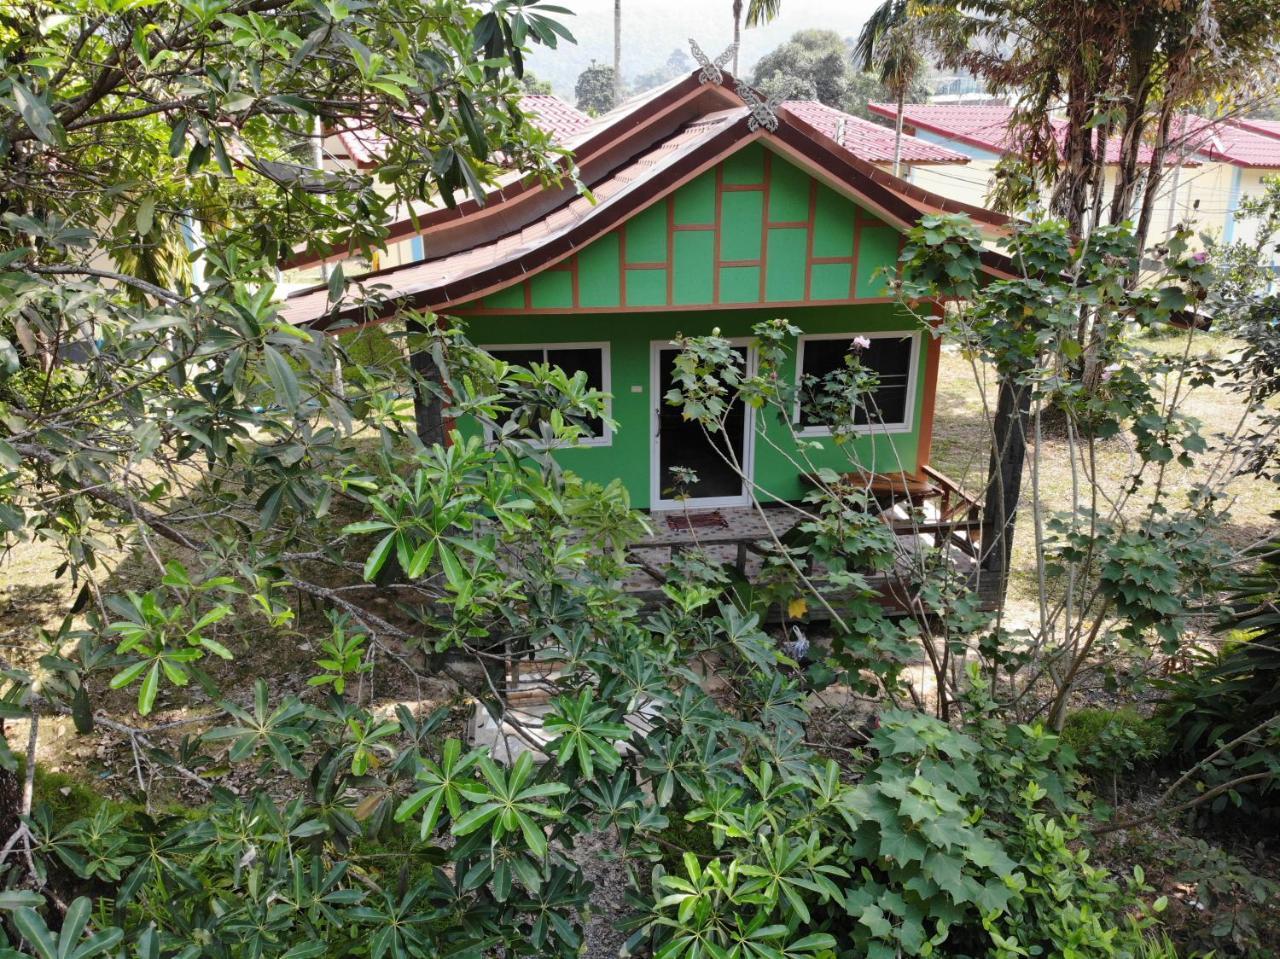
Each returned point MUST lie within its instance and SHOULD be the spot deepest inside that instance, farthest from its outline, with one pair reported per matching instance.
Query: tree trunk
(1155, 176)
(428, 410)
(1004, 481)
(897, 133)
(1137, 97)
(1071, 195)
(737, 33)
(617, 52)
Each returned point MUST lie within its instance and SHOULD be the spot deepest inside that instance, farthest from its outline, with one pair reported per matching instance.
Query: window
(828, 398)
(589, 358)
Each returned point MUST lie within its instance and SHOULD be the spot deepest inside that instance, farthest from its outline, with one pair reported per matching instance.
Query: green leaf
(282, 378)
(378, 558)
(17, 898)
(337, 283)
(32, 928)
(38, 117)
(144, 219)
(147, 692)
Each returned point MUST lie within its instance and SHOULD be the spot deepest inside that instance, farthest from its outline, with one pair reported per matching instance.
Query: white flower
(861, 343)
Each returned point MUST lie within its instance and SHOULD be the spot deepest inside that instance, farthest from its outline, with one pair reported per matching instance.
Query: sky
(651, 29)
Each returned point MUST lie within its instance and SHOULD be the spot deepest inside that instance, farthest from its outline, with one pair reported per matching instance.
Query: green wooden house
(710, 211)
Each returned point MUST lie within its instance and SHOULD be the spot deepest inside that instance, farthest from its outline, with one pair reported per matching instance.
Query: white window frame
(606, 387)
(913, 366)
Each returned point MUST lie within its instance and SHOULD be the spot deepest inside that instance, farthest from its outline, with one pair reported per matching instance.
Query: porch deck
(925, 513)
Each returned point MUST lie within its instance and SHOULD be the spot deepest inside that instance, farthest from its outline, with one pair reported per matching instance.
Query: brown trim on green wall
(930, 401)
(719, 223)
(593, 310)
(812, 228)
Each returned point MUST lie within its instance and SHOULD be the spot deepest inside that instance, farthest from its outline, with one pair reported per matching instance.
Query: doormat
(712, 520)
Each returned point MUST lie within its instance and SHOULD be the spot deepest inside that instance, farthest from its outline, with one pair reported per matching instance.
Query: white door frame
(656, 500)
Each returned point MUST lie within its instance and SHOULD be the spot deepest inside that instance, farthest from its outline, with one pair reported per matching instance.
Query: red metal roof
(365, 146)
(1268, 128)
(1227, 142)
(867, 140)
(445, 278)
(984, 126)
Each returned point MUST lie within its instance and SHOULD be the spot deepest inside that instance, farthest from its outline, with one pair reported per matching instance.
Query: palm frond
(762, 11)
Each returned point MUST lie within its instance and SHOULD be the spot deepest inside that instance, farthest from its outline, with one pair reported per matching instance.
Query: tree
(890, 44)
(617, 51)
(758, 12)
(596, 89)
(1117, 69)
(530, 83)
(678, 64)
(214, 496)
(818, 65)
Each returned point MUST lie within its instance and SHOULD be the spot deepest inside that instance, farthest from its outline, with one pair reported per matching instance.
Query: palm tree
(758, 12)
(890, 45)
(617, 51)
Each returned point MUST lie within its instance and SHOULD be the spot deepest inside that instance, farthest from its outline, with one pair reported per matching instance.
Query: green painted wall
(774, 241)
(630, 338)
(715, 253)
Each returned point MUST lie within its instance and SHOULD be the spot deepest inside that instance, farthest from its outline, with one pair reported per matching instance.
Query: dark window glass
(685, 444)
(520, 357)
(573, 360)
(888, 356)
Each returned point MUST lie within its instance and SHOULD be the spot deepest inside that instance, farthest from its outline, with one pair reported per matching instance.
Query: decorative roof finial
(711, 72)
(764, 113)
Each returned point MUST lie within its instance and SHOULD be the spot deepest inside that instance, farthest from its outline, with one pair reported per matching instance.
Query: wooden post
(428, 410)
(1004, 480)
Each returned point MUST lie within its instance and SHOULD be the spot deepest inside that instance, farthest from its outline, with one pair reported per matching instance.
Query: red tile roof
(1227, 142)
(552, 114)
(983, 126)
(366, 146)
(865, 139)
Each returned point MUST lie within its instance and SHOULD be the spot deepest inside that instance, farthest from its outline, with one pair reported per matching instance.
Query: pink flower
(1110, 371)
(861, 343)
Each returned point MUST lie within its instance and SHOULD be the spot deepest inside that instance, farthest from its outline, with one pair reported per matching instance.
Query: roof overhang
(564, 222)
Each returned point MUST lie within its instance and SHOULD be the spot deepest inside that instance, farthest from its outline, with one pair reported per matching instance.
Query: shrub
(1233, 691)
(1106, 741)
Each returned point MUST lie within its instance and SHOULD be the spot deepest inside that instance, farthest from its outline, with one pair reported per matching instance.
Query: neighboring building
(1214, 164)
(1237, 157)
(706, 214)
(983, 133)
(1269, 128)
(872, 142)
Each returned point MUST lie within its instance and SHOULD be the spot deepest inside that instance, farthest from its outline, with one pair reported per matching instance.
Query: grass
(962, 440)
